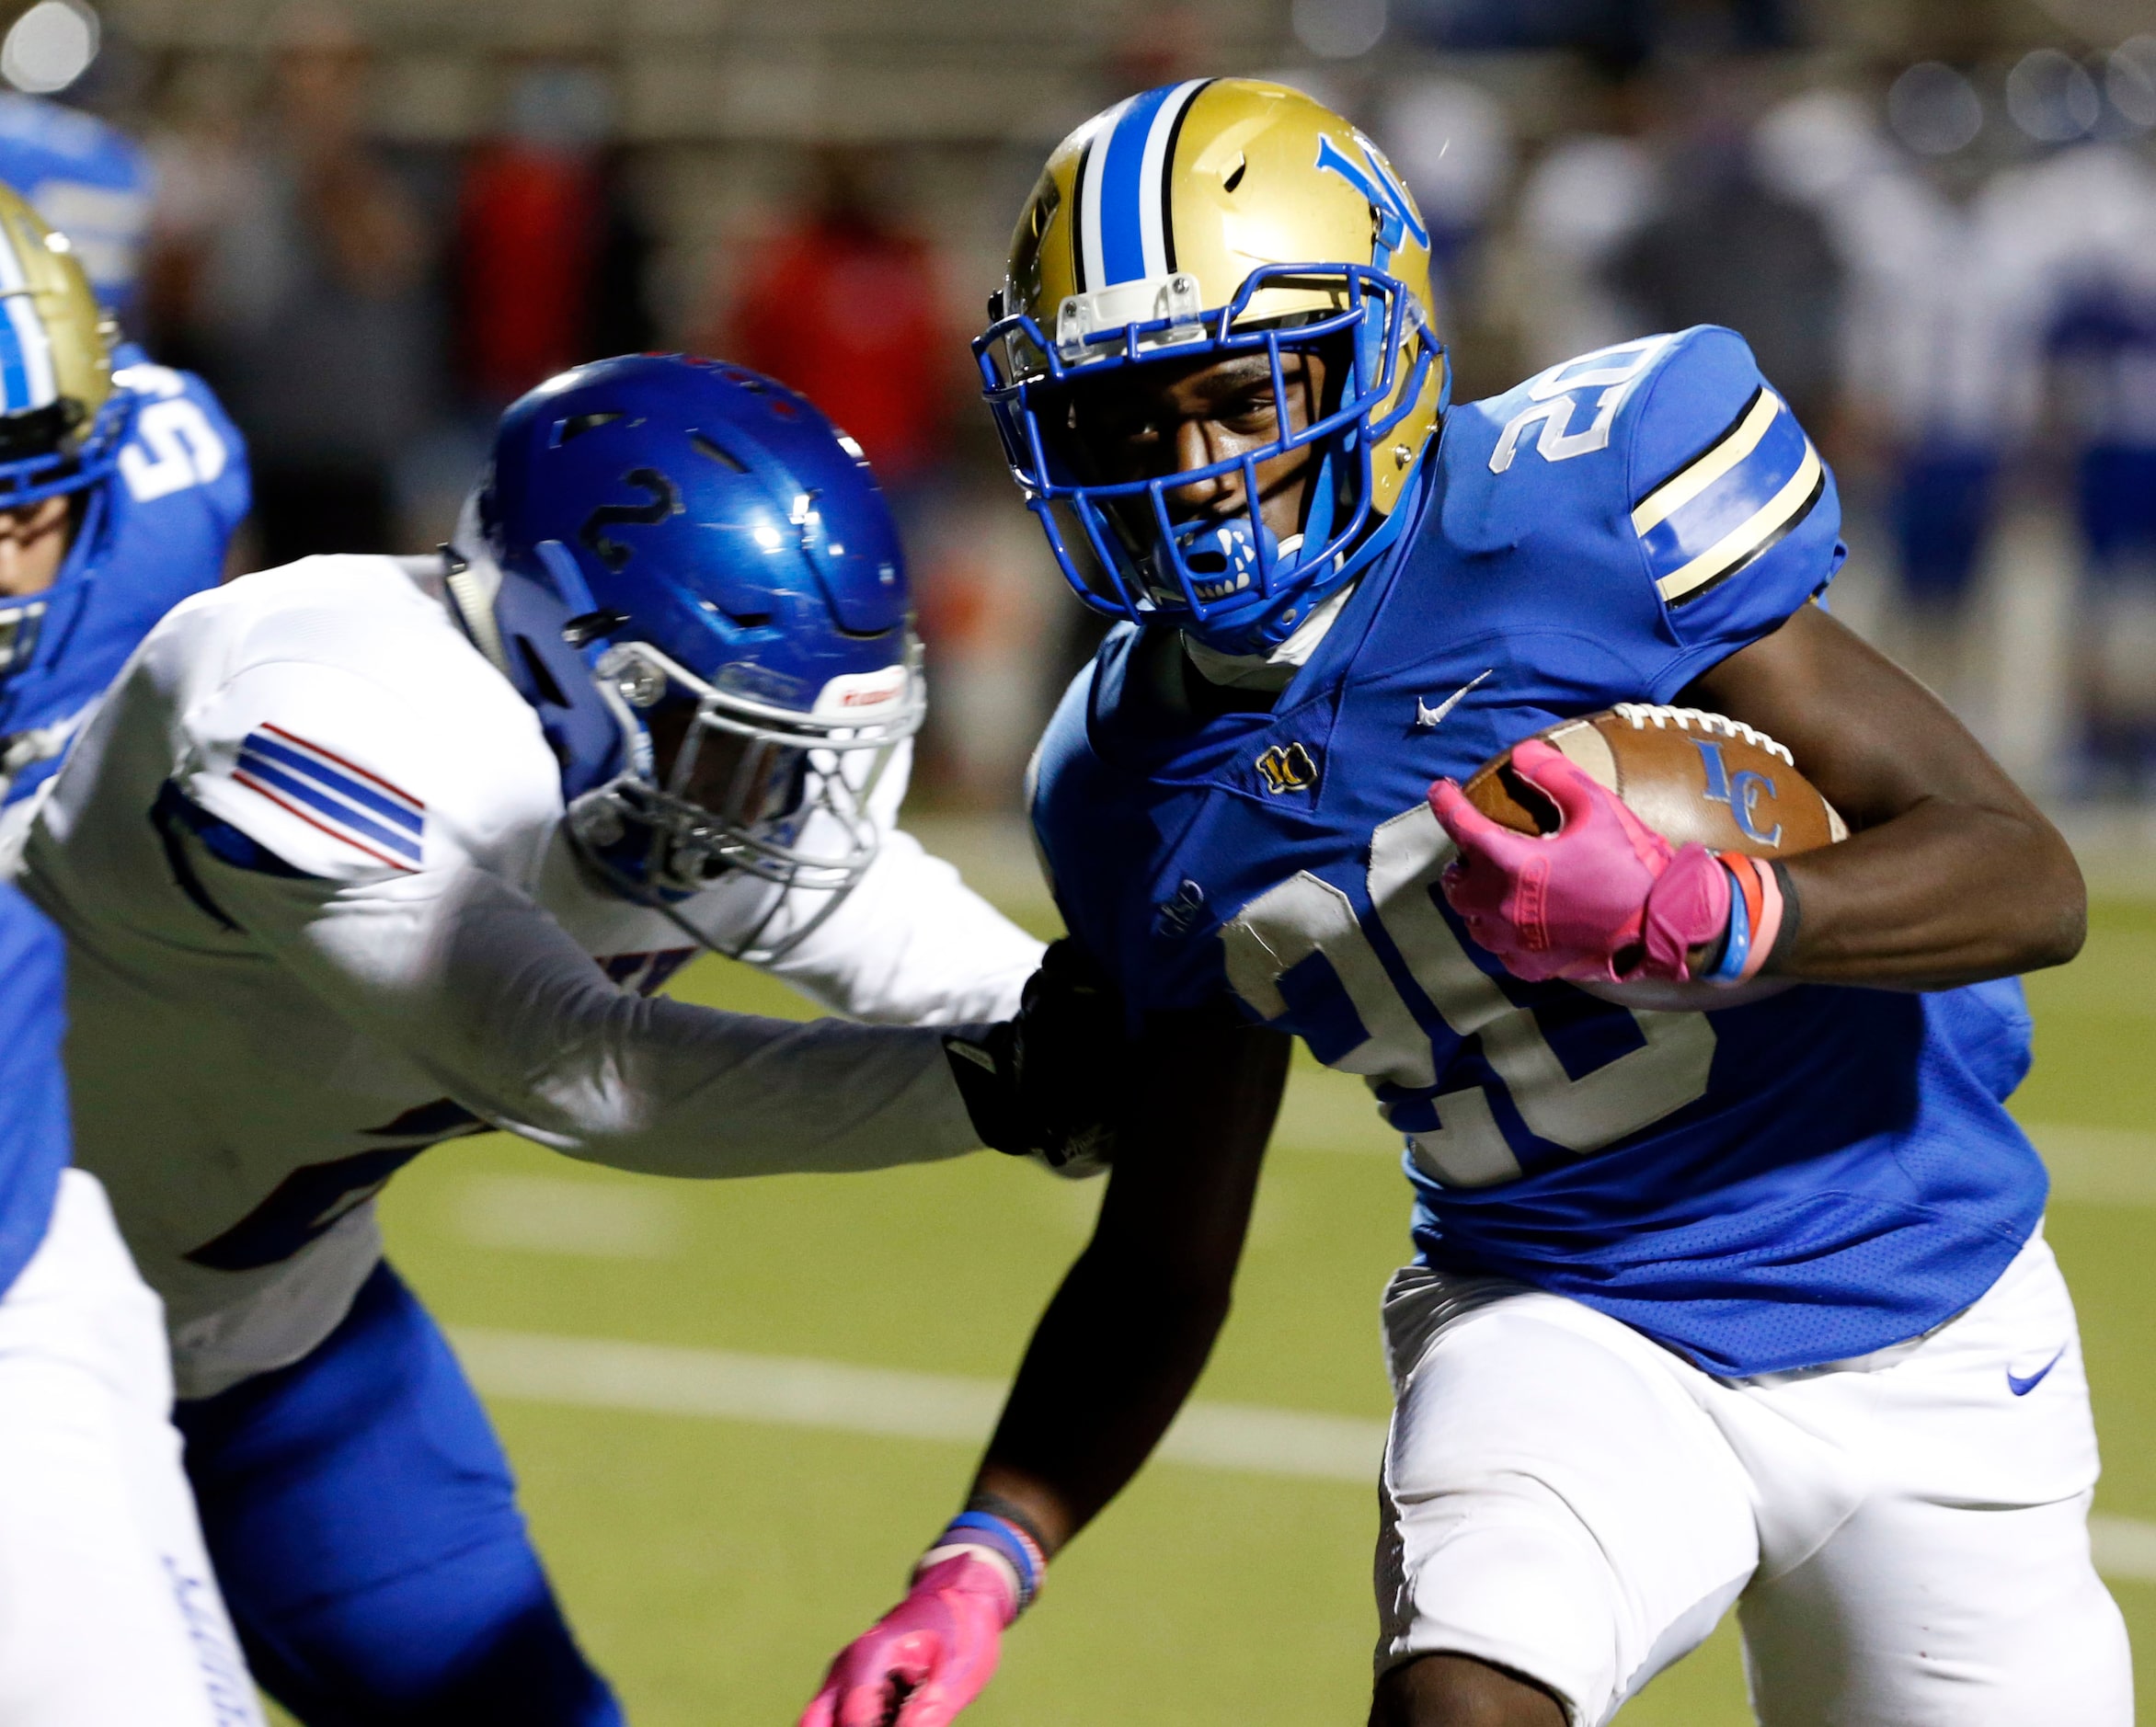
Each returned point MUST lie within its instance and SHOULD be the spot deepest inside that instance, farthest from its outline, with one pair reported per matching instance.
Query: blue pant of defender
(363, 1523)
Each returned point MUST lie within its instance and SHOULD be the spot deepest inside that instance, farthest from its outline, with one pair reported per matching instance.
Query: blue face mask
(1227, 559)
(1228, 583)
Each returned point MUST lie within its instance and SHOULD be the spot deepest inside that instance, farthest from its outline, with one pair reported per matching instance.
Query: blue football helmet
(1199, 221)
(739, 599)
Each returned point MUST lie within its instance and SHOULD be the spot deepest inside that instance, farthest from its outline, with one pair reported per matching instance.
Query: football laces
(1642, 715)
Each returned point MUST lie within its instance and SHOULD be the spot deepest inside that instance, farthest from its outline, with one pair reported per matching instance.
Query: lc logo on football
(1287, 768)
(1743, 792)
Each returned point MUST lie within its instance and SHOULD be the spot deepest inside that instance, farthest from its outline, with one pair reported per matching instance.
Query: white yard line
(792, 1391)
(2106, 1166)
(837, 1397)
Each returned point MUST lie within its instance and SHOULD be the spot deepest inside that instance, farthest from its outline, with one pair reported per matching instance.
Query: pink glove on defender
(930, 1656)
(1605, 898)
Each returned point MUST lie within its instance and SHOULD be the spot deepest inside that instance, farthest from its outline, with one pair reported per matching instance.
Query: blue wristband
(1737, 943)
(1004, 1538)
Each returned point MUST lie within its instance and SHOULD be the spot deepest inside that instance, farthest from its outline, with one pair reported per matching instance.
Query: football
(1689, 776)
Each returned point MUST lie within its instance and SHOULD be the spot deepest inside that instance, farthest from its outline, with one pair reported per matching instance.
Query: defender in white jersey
(335, 860)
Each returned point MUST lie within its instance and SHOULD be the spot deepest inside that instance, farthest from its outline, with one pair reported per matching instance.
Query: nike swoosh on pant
(2021, 1388)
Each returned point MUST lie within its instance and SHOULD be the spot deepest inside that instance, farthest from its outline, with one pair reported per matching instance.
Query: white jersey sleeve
(353, 734)
(467, 978)
(912, 944)
(406, 798)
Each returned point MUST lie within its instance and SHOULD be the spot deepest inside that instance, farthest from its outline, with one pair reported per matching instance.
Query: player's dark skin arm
(1125, 1336)
(1950, 875)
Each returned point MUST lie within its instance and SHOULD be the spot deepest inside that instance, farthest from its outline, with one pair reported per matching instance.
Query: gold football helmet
(1218, 217)
(61, 421)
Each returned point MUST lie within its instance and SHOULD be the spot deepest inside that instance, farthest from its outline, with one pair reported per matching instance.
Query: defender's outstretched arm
(464, 975)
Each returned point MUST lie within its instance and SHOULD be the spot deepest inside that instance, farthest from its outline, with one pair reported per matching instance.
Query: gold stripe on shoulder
(1748, 536)
(1686, 484)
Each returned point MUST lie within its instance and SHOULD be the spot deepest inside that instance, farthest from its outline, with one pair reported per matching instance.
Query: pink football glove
(1604, 899)
(928, 1657)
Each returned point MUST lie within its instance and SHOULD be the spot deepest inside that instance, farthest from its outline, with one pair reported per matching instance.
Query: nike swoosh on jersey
(2021, 1388)
(1429, 717)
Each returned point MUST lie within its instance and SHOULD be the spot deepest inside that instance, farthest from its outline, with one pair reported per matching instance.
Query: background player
(335, 860)
(87, 178)
(111, 1616)
(1745, 1306)
(121, 490)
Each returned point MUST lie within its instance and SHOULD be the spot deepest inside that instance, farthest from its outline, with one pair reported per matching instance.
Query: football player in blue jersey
(121, 486)
(89, 179)
(1740, 1300)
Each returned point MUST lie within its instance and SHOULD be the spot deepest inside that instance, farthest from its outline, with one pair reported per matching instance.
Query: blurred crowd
(1945, 259)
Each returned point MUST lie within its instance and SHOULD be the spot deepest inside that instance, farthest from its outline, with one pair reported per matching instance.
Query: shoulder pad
(1719, 470)
(1553, 444)
(1658, 486)
(334, 715)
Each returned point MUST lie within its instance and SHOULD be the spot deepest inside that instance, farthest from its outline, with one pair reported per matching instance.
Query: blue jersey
(152, 533)
(89, 179)
(1797, 1180)
(34, 1145)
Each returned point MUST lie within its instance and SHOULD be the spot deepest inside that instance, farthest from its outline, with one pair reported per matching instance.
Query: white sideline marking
(791, 1391)
(546, 1214)
(837, 1397)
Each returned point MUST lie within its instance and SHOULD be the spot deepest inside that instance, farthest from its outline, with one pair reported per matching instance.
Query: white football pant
(108, 1614)
(1905, 1537)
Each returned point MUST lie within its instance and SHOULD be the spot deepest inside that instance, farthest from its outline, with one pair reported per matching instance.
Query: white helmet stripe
(26, 352)
(1092, 263)
(1122, 227)
(1153, 175)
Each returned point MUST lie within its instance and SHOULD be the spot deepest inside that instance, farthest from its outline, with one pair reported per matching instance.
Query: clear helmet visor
(746, 789)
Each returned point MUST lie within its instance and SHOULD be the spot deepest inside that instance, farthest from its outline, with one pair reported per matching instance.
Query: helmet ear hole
(713, 452)
(576, 425)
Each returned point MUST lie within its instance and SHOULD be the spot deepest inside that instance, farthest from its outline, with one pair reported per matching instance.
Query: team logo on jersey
(1175, 916)
(1287, 768)
(333, 796)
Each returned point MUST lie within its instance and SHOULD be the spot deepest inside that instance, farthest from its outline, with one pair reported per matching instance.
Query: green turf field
(713, 1564)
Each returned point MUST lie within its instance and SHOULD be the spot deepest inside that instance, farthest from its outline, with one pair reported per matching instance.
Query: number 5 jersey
(1798, 1179)
(154, 533)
